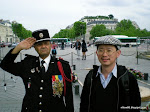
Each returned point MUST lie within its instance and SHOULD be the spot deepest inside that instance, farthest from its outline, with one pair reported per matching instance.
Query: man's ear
(118, 53)
(96, 53)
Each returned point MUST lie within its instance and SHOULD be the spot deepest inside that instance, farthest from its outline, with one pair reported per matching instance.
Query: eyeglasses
(109, 52)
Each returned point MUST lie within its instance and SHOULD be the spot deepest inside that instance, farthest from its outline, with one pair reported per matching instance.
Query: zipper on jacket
(118, 88)
(90, 92)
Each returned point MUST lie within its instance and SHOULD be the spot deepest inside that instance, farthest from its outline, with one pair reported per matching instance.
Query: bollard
(74, 67)
(0, 53)
(145, 76)
(76, 89)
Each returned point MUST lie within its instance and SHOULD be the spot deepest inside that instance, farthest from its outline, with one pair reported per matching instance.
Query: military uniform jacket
(39, 95)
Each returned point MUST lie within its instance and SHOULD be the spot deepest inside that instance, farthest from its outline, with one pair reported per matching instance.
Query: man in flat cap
(47, 80)
(109, 87)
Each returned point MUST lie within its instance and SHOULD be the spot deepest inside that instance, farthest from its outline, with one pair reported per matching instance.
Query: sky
(55, 15)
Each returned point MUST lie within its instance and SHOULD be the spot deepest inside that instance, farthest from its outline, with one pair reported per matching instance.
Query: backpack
(53, 51)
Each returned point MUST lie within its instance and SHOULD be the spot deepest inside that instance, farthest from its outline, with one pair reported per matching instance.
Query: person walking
(110, 87)
(47, 80)
(54, 45)
(78, 47)
(62, 45)
(84, 49)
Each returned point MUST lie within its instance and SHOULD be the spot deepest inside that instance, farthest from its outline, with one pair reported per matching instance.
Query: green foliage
(79, 28)
(96, 17)
(111, 16)
(125, 27)
(20, 31)
(99, 30)
(65, 33)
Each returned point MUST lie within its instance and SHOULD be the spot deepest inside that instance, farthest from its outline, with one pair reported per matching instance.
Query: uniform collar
(47, 60)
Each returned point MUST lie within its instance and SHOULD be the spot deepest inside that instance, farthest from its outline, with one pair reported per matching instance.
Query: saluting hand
(25, 44)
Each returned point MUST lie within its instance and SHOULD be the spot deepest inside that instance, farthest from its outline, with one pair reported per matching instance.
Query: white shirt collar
(114, 71)
(47, 61)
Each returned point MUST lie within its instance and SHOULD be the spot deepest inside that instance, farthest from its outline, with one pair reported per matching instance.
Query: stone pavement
(11, 100)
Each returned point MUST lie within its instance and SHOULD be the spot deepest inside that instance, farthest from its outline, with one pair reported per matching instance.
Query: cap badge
(41, 35)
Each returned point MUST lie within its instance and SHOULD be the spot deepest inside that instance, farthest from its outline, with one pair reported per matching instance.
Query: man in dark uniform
(48, 87)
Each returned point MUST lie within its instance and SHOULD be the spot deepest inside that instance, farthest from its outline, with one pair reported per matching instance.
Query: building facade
(6, 33)
(109, 23)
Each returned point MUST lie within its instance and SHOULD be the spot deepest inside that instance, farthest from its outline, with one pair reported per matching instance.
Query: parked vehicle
(14, 44)
(7, 44)
(59, 41)
(2, 45)
(126, 41)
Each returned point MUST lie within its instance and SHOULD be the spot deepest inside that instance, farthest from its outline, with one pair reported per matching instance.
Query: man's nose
(105, 53)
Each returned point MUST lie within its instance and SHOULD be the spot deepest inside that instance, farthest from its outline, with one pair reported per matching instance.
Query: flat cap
(41, 35)
(110, 40)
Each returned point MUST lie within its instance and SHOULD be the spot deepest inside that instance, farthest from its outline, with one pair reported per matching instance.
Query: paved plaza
(12, 93)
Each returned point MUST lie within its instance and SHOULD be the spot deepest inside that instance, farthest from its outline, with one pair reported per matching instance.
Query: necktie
(42, 67)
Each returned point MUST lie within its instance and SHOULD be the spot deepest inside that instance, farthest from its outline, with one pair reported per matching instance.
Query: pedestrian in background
(45, 83)
(54, 51)
(62, 45)
(110, 87)
(84, 50)
(54, 45)
(78, 47)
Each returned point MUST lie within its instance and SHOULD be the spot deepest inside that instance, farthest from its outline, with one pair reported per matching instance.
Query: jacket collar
(120, 70)
(113, 72)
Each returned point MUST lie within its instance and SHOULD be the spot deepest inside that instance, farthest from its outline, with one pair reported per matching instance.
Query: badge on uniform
(29, 82)
(32, 70)
(57, 85)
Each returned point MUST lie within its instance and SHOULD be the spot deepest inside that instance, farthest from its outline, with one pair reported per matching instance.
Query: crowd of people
(79, 46)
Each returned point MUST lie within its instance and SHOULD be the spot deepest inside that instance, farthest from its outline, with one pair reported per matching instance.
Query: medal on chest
(57, 85)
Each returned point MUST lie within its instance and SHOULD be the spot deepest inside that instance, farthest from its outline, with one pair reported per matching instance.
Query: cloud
(135, 10)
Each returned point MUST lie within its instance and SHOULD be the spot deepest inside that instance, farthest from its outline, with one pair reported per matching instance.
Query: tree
(98, 31)
(72, 33)
(20, 31)
(65, 33)
(124, 25)
(79, 28)
(111, 16)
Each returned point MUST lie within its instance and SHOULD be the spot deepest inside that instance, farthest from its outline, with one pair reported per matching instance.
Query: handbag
(86, 49)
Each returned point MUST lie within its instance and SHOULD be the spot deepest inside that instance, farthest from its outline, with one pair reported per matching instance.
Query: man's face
(107, 54)
(43, 48)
